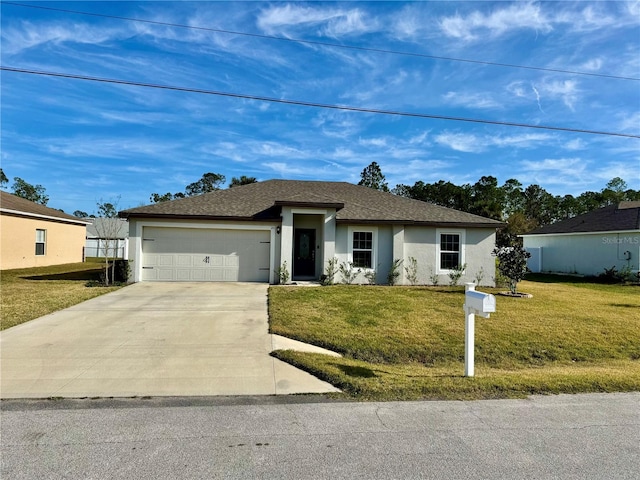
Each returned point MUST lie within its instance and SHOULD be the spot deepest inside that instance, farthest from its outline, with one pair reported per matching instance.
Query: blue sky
(88, 141)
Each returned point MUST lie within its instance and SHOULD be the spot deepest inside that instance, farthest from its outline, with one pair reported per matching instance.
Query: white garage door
(205, 255)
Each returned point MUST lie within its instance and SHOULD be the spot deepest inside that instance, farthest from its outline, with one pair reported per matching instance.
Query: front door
(304, 253)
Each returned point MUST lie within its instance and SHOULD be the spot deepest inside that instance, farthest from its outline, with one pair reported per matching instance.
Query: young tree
(34, 193)
(512, 263)
(107, 226)
(372, 177)
(3, 179)
(243, 180)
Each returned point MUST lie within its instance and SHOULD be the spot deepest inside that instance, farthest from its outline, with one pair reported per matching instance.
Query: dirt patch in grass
(568, 338)
(33, 292)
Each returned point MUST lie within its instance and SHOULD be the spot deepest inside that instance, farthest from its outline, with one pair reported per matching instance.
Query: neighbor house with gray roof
(32, 235)
(248, 233)
(608, 237)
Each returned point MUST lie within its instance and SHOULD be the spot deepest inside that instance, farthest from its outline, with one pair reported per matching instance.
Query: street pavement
(591, 436)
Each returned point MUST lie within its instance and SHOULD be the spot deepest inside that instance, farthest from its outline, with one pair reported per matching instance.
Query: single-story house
(107, 235)
(248, 233)
(589, 243)
(32, 235)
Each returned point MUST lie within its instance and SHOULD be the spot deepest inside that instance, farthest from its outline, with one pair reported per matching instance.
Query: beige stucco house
(247, 233)
(32, 235)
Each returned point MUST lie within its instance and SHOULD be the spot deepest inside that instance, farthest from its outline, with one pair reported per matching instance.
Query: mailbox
(481, 303)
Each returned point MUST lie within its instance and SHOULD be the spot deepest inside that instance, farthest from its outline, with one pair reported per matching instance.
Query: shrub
(348, 272)
(412, 271)
(282, 273)
(328, 278)
(394, 272)
(512, 263)
(455, 274)
(371, 276)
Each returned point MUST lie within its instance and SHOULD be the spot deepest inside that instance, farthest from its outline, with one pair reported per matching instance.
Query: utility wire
(311, 104)
(328, 44)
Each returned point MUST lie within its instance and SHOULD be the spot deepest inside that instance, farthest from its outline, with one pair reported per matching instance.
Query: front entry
(304, 253)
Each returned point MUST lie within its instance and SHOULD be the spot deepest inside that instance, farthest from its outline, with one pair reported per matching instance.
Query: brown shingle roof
(354, 204)
(624, 217)
(26, 207)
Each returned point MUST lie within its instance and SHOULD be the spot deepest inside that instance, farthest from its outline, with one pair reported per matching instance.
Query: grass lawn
(408, 342)
(33, 292)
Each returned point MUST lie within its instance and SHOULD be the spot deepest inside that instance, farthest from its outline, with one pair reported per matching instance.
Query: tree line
(524, 209)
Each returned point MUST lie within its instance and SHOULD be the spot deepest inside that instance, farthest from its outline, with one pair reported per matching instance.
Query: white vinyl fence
(95, 247)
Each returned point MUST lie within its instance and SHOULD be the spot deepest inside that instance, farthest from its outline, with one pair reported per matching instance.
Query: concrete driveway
(153, 339)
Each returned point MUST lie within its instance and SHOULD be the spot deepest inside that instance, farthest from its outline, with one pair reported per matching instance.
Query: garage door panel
(183, 254)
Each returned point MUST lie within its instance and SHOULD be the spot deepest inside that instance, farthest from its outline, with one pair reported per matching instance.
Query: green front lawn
(408, 342)
(33, 292)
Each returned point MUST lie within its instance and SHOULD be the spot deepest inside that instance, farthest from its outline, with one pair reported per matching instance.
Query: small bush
(394, 272)
(328, 277)
(455, 274)
(282, 273)
(412, 271)
(348, 272)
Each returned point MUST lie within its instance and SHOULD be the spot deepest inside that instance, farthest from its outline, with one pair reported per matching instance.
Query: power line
(329, 44)
(311, 104)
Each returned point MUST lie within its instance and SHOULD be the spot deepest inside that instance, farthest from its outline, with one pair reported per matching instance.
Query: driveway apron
(152, 339)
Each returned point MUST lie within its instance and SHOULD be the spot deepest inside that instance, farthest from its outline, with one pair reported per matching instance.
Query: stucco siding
(63, 242)
(421, 244)
(586, 254)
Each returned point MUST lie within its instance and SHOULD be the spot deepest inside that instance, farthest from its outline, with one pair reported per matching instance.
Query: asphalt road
(555, 437)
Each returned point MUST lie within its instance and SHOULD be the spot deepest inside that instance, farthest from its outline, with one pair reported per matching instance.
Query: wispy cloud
(482, 100)
(329, 21)
(471, 143)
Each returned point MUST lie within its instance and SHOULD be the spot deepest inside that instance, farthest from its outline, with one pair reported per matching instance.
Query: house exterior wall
(403, 242)
(421, 244)
(586, 253)
(64, 242)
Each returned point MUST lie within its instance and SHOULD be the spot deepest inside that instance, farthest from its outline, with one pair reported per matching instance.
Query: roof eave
(290, 203)
(421, 223)
(169, 216)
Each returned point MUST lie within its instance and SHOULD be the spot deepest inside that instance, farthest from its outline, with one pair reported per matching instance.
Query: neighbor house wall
(586, 253)
(64, 242)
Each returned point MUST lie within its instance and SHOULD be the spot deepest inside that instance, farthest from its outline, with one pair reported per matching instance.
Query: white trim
(374, 244)
(453, 231)
(45, 217)
(308, 211)
(604, 232)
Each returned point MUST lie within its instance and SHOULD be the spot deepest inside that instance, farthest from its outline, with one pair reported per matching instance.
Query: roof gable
(12, 204)
(354, 204)
(622, 217)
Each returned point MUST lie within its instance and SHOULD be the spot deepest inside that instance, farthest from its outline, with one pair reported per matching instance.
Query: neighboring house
(107, 235)
(247, 233)
(587, 244)
(32, 235)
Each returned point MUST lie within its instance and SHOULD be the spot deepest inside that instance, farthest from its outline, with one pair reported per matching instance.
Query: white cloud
(477, 24)
(461, 142)
(330, 21)
(566, 90)
(471, 100)
(373, 142)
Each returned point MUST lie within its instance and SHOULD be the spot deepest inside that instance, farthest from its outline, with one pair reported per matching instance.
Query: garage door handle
(147, 268)
(206, 259)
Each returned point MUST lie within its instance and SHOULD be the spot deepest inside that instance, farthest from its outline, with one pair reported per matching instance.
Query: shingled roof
(264, 201)
(622, 217)
(12, 205)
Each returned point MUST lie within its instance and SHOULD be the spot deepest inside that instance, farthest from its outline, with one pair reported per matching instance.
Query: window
(41, 238)
(450, 250)
(363, 249)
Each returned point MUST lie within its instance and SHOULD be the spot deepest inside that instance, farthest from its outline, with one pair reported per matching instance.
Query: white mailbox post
(475, 303)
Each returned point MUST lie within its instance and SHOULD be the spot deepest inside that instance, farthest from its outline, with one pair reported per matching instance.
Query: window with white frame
(362, 247)
(450, 250)
(41, 240)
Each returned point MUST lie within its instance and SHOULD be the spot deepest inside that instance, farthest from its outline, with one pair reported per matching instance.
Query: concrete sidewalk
(152, 339)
